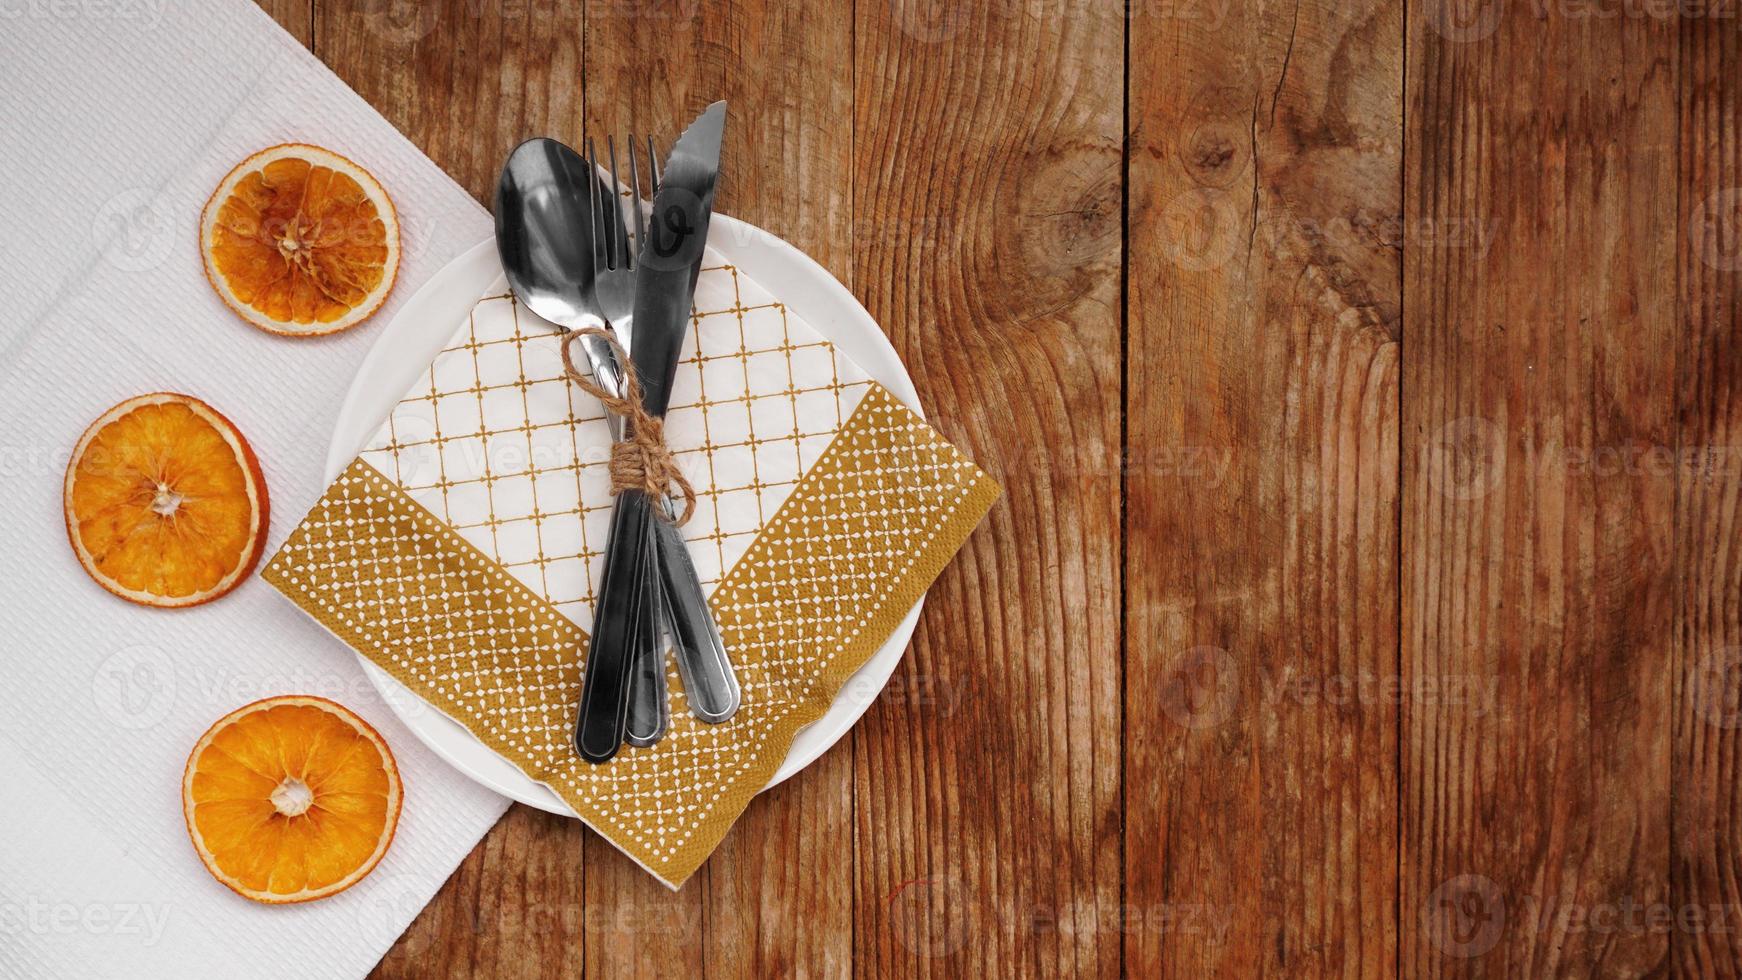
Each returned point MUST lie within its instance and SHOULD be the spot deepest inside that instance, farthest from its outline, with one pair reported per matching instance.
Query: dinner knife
(665, 282)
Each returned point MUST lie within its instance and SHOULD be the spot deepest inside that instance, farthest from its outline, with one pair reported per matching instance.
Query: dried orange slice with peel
(165, 503)
(291, 799)
(299, 240)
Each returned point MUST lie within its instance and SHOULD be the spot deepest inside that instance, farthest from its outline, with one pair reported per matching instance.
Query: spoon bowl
(543, 197)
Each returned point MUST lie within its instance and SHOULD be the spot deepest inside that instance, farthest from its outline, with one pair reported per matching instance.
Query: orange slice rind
(165, 502)
(291, 799)
(300, 241)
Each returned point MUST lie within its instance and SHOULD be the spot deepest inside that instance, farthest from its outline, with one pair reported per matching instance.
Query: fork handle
(649, 708)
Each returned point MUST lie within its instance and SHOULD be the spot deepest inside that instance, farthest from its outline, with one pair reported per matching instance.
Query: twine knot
(640, 460)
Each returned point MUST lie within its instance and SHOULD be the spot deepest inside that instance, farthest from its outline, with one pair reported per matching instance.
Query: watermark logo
(416, 451)
(663, 11)
(1200, 229)
(146, 13)
(1201, 687)
(929, 916)
(1464, 21)
(1465, 916)
(390, 907)
(1715, 230)
(36, 916)
(1717, 688)
(1464, 460)
(133, 231)
(930, 21)
(399, 21)
(135, 687)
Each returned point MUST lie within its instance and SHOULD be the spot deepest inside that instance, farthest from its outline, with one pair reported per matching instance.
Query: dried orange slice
(291, 799)
(299, 240)
(165, 503)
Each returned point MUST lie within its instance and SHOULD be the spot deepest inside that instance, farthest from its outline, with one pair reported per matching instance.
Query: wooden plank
(776, 899)
(1262, 523)
(465, 81)
(1538, 382)
(295, 16)
(1706, 873)
(986, 200)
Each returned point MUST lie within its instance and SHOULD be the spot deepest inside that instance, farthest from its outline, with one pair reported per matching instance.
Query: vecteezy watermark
(929, 916)
(34, 459)
(1715, 230)
(36, 916)
(1208, 465)
(1467, 21)
(1464, 459)
(134, 233)
(399, 21)
(937, 21)
(146, 13)
(1464, 916)
(1202, 920)
(1468, 458)
(1475, 692)
(386, 906)
(1206, 227)
(1463, 21)
(1716, 688)
(1468, 914)
(135, 687)
(1661, 10)
(1201, 229)
(936, 915)
(1201, 687)
(655, 11)
(927, 693)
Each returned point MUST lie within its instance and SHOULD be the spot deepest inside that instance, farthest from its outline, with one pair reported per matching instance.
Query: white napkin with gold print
(460, 550)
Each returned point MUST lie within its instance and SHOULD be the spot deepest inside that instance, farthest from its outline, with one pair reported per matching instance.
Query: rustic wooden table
(1364, 383)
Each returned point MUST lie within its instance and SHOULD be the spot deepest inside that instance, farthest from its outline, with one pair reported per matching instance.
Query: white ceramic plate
(429, 319)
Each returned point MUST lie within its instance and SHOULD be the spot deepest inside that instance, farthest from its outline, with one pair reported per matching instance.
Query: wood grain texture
(1362, 378)
(1538, 385)
(986, 204)
(1262, 382)
(1706, 868)
(465, 80)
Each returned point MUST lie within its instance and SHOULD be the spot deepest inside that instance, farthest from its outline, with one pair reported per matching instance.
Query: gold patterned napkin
(459, 550)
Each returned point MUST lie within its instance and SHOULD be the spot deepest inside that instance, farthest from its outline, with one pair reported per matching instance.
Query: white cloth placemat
(118, 120)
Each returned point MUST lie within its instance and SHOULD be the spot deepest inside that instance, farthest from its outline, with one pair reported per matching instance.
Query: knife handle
(708, 680)
(617, 631)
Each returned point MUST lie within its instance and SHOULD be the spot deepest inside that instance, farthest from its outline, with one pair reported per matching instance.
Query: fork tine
(618, 249)
(635, 201)
(595, 215)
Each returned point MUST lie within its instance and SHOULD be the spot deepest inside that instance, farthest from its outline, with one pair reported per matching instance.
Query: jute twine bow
(640, 460)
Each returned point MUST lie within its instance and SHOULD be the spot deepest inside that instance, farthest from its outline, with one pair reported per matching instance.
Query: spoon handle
(620, 623)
